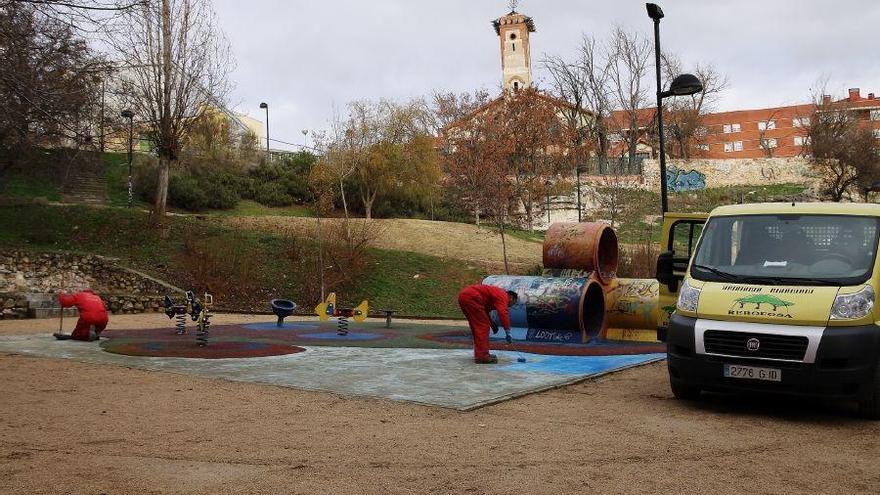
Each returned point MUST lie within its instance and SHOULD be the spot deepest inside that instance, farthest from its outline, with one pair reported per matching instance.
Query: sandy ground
(67, 427)
(444, 239)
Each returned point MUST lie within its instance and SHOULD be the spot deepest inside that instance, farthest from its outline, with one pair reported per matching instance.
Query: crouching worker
(476, 302)
(92, 315)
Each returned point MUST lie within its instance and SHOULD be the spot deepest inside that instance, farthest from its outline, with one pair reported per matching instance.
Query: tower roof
(514, 17)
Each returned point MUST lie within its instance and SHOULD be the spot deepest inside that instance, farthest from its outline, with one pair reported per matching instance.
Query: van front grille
(788, 347)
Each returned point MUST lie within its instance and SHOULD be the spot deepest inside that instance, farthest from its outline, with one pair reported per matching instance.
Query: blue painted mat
(572, 365)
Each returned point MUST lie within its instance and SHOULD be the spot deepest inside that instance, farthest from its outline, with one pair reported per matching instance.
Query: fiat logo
(753, 344)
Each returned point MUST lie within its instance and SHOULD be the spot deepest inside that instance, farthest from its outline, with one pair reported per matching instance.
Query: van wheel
(682, 391)
(870, 408)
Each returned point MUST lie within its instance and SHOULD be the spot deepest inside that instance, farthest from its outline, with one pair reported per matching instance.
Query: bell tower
(513, 32)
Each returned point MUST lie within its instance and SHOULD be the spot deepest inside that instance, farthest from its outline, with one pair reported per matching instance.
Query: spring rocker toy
(328, 309)
(199, 311)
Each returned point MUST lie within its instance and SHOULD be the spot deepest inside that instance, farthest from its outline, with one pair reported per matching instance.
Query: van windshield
(787, 249)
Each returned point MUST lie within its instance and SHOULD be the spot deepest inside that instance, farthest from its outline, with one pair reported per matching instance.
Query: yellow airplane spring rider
(328, 309)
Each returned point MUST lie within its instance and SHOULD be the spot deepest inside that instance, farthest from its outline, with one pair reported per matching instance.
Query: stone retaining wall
(30, 282)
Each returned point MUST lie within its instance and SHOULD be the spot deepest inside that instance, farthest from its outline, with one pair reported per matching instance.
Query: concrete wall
(695, 174)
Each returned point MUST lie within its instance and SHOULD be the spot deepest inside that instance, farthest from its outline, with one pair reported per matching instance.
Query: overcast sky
(303, 57)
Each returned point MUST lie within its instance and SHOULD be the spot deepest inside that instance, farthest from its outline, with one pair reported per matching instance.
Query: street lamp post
(305, 133)
(128, 114)
(682, 85)
(266, 106)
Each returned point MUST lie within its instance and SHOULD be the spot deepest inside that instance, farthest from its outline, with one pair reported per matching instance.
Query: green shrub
(272, 194)
(185, 192)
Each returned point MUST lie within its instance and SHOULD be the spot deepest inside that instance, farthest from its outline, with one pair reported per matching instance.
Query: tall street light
(682, 85)
(128, 114)
(266, 106)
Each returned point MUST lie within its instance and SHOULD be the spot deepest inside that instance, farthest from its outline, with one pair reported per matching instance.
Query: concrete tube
(633, 303)
(582, 246)
(555, 309)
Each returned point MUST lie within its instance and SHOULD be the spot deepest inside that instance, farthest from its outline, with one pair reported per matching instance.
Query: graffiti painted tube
(555, 309)
(633, 303)
(582, 246)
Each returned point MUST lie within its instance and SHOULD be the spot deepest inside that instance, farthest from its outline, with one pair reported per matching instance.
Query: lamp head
(264, 105)
(684, 85)
(654, 11)
(127, 114)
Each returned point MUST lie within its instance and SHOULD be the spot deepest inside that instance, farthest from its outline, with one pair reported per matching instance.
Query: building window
(513, 36)
(875, 115)
(800, 122)
(734, 146)
(701, 131)
(615, 137)
(876, 133)
(766, 125)
(731, 128)
(514, 46)
(703, 147)
(802, 140)
(768, 143)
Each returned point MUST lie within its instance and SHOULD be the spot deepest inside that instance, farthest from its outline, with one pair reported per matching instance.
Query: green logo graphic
(762, 299)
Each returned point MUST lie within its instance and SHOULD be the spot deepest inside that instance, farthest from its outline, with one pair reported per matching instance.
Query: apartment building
(758, 133)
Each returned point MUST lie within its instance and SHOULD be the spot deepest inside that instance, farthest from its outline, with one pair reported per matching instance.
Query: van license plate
(752, 373)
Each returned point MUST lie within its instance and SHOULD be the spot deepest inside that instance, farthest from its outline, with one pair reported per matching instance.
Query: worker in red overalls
(476, 302)
(92, 315)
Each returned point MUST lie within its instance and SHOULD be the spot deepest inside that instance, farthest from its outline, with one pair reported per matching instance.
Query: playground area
(422, 362)
(81, 427)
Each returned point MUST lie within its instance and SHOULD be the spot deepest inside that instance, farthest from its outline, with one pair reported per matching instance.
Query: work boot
(492, 359)
(61, 336)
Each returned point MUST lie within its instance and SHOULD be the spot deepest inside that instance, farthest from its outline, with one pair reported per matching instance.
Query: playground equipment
(581, 249)
(199, 311)
(282, 309)
(328, 309)
(567, 304)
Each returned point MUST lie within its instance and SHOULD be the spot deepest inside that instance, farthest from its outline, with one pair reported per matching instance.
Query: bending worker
(92, 315)
(476, 302)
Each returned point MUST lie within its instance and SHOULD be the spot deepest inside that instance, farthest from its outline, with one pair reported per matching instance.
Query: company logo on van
(760, 305)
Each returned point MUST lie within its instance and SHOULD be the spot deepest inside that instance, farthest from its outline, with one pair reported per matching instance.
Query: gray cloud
(304, 57)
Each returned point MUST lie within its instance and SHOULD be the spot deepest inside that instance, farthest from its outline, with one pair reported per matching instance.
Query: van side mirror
(665, 267)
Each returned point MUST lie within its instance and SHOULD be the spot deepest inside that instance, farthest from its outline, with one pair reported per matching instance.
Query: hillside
(441, 239)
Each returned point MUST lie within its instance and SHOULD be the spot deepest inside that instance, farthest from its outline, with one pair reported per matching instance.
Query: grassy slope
(124, 234)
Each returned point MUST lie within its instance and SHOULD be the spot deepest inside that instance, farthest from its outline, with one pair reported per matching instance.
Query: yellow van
(778, 298)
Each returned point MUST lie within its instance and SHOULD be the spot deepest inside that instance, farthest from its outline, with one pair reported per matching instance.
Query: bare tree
(767, 144)
(175, 66)
(49, 82)
(631, 53)
(845, 154)
(684, 116)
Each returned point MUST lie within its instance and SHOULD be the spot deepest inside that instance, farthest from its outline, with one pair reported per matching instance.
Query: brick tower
(513, 32)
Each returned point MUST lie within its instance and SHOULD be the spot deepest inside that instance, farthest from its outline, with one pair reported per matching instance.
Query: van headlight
(688, 298)
(853, 306)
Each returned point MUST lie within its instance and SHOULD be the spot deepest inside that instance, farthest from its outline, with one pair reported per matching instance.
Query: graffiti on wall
(678, 180)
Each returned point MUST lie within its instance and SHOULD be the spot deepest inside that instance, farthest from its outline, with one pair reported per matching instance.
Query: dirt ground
(67, 427)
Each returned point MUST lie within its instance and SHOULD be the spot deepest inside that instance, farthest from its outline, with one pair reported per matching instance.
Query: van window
(796, 249)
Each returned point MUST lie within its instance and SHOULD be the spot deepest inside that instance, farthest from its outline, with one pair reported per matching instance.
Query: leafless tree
(845, 154)
(629, 69)
(175, 66)
(684, 116)
(49, 82)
